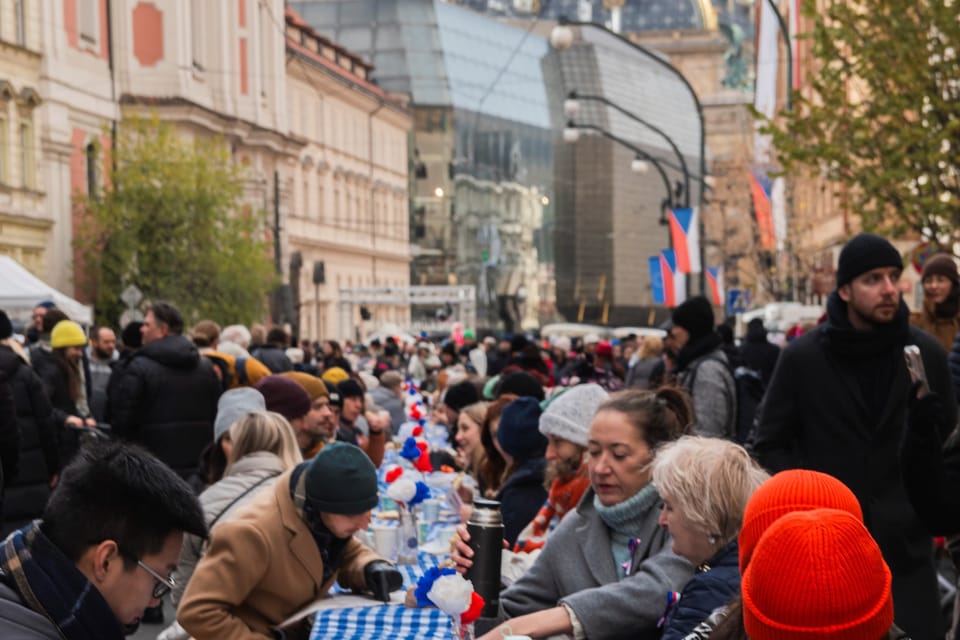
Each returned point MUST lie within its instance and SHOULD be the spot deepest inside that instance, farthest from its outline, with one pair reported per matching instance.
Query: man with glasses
(109, 539)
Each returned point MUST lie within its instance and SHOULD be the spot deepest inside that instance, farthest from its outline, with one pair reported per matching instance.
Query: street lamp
(573, 104)
(561, 38)
(640, 166)
(571, 133)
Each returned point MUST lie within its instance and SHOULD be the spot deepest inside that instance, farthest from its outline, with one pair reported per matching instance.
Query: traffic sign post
(738, 301)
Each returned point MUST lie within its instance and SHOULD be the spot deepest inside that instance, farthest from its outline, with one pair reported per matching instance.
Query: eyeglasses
(163, 585)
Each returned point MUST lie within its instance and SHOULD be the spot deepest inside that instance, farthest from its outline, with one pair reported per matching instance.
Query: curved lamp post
(639, 165)
(571, 106)
(561, 37)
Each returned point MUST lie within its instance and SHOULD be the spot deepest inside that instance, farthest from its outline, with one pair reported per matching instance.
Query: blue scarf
(624, 520)
(51, 585)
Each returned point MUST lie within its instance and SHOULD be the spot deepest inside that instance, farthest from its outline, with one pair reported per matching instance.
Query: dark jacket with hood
(837, 403)
(165, 398)
(704, 371)
(714, 583)
(759, 354)
(26, 492)
(273, 357)
(521, 497)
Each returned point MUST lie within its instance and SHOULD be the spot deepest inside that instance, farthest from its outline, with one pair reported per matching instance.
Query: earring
(712, 539)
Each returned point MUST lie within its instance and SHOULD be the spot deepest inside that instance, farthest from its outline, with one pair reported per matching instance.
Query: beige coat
(262, 567)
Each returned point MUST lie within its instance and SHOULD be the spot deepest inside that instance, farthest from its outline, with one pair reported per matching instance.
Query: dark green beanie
(341, 480)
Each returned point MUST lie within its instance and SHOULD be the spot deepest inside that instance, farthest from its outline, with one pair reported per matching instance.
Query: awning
(20, 291)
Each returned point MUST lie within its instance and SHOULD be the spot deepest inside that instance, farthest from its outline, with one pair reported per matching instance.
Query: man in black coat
(757, 352)
(165, 396)
(837, 403)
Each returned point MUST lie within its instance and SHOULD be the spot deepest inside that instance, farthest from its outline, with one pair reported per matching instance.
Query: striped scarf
(51, 585)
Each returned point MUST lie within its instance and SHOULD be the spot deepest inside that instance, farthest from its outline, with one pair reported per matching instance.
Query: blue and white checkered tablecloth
(382, 621)
(374, 623)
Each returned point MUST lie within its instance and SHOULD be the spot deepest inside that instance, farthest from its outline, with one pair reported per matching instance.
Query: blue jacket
(715, 583)
(521, 497)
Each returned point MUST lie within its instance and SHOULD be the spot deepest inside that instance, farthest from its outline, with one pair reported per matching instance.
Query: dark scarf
(697, 348)
(872, 355)
(330, 547)
(51, 585)
(850, 343)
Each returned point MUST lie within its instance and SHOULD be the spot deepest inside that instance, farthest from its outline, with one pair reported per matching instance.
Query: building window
(3, 151)
(26, 156)
(21, 22)
(91, 160)
(89, 21)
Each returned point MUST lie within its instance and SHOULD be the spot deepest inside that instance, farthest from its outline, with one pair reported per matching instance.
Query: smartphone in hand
(911, 355)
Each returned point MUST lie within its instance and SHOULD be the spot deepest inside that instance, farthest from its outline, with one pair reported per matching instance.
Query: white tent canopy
(20, 291)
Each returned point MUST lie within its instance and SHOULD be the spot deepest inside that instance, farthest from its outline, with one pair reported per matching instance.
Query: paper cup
(386, 541)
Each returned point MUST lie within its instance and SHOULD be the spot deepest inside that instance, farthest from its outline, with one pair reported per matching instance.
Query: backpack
(748, 390)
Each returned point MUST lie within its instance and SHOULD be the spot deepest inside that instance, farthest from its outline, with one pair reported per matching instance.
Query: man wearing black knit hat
(839, 401)
(284, 550)
(354, 428)
(703, 370)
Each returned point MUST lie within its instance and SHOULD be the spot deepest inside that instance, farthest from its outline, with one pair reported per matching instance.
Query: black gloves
(381, 579)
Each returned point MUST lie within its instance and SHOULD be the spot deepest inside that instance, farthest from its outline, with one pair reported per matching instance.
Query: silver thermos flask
(486, 541)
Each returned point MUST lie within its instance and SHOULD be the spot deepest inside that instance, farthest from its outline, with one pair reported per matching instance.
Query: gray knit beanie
(569, 415)
(233, 405)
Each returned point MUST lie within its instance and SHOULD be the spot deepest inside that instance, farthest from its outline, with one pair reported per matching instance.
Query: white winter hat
(569, 414)
(563, 343)
(591, 338)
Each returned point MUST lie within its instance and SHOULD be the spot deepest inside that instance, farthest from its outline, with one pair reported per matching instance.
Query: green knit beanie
(341, 480)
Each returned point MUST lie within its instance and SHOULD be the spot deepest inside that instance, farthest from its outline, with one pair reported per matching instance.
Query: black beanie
(696, 316)
(341, 480)
(520, 383)
(350, 388)
(519, 430)
(6, 327)
(131, 336)
(461, 395)
(864, 252)
(333, 392)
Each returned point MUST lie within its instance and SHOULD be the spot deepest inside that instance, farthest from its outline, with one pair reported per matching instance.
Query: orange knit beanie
(817, 574)
(793, 490)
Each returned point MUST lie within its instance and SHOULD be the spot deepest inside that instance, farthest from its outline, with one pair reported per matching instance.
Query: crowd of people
(646, 489)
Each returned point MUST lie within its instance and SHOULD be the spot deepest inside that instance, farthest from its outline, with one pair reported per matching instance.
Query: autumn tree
(882, 115)
(171, 221)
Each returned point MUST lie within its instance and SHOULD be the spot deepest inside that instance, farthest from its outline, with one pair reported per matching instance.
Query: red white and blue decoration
(715, 286)
(685, 233)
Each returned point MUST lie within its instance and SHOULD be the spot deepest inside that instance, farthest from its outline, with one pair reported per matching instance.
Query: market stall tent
(20, 291)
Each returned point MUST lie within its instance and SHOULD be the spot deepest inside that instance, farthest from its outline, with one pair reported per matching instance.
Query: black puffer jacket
(165, 398)
(758, 353)
(9, 437)
(27, 493)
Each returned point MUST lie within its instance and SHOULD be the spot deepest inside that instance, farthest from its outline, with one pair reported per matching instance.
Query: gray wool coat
(576, 568)
(714, 394)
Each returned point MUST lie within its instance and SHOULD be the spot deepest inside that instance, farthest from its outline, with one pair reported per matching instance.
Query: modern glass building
(482, 149)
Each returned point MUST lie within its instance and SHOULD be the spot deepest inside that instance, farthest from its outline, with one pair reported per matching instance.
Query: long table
(378, 620)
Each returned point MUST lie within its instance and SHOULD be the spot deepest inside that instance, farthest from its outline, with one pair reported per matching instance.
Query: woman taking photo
(705, 484)
(608, 567)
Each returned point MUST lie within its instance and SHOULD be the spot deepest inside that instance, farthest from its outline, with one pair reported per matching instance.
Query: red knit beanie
(817, 574)
(793, 490)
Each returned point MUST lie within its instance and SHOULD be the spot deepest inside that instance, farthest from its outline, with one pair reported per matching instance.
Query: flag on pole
(764, 212)
(674, 282)
(656, 281)
(685, 233)
(715, 284)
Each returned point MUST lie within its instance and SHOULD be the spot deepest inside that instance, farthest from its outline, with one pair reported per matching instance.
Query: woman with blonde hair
(705, 484)
(260, 446)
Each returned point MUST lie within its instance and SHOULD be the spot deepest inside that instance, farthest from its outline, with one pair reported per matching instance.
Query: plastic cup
(431, 510)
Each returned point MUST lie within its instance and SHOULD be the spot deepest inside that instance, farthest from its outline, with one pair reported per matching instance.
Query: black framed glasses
(163, 585)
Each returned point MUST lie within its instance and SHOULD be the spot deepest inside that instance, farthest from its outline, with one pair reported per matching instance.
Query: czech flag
(656, 280)
(764, 212)
(685, 233)
(674, 282)
(715, 285)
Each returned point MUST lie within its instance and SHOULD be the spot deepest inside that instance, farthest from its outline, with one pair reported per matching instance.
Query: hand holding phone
(911, 355)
